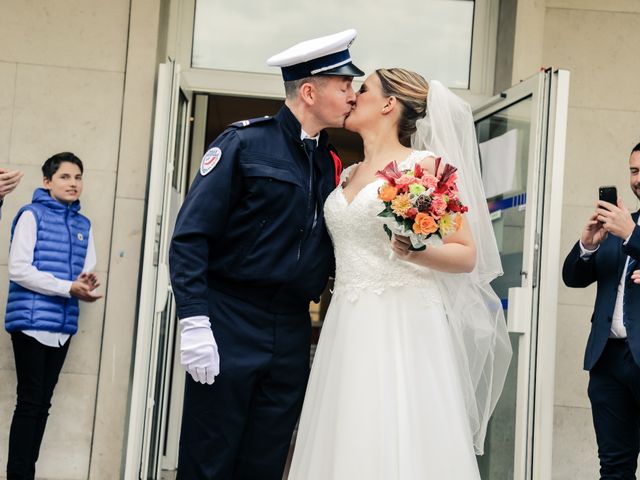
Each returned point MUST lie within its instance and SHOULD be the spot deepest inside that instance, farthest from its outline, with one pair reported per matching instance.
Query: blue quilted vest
(61, 248)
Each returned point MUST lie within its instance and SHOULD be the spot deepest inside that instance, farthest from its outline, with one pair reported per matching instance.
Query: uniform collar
(293, 128)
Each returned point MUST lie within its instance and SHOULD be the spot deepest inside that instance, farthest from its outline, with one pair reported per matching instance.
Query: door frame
(154, 283)
(534, 418)
(535, 300)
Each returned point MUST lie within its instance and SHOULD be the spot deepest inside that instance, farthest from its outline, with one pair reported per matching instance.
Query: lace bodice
(362, 248)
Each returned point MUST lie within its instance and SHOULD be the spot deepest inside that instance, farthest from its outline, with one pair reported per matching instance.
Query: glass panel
(504, 158)
(178, 152)
(241, 35)
(504, 147)
(163, 357)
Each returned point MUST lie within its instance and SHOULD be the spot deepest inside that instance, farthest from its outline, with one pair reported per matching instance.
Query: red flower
(411, 213)
(390, 173)
(454, 205)
(447, 179)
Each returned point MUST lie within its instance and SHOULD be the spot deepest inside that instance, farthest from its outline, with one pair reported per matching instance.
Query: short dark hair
(291, 87)
(636, 148)
(51, 166)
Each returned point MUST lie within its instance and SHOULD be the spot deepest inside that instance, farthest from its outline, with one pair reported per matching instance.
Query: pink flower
(429, 181)
(438, 206)
(405, 180)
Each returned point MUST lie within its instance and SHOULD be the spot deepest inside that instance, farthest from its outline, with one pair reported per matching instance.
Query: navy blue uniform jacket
(246, 228)
(605, 267)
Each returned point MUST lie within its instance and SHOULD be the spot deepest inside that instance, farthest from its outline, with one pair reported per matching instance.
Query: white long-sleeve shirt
(24, 273)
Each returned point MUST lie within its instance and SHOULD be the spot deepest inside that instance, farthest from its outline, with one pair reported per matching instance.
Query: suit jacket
(605, 267)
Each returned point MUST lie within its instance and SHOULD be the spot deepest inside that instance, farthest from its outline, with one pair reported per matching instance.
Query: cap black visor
(346, 70)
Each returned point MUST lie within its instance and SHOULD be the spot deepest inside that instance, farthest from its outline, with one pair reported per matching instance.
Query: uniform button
(301, 230)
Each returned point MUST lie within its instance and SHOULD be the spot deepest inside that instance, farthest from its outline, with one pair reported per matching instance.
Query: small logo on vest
(80, 237)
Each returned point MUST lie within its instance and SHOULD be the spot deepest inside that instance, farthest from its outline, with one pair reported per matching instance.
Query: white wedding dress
(384, 400)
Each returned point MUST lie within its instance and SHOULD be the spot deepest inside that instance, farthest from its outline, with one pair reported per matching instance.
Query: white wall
(79, 75)
(598, 42)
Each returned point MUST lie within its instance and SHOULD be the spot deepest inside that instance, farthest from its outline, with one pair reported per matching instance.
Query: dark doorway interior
(223, 110)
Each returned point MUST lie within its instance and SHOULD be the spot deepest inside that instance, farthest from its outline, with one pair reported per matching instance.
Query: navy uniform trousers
(240, 427)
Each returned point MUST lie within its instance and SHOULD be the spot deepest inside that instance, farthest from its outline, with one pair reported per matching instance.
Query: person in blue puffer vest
(51, 257)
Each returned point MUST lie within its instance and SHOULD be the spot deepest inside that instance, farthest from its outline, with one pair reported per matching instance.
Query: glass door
(521, 139)
(150, 425)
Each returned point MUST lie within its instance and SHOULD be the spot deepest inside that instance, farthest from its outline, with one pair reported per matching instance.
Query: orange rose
(424, 223)
(387, 192)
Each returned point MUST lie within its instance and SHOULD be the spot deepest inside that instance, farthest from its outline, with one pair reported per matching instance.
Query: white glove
(198, 349)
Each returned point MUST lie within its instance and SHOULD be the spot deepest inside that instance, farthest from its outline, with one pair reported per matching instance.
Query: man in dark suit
(607, 253)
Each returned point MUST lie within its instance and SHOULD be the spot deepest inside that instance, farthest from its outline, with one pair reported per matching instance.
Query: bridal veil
(474, 311)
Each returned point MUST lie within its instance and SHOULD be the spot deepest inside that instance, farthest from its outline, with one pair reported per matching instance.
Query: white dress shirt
(304, 135)
(618, 329)
(24, 273)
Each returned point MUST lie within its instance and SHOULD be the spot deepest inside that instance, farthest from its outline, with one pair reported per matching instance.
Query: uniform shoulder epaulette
(251, 121)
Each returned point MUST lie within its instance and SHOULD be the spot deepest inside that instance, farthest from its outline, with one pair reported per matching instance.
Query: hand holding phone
(608, 194)
(611, 213)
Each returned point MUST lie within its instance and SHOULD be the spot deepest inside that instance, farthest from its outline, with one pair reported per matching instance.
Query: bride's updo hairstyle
(411, 91)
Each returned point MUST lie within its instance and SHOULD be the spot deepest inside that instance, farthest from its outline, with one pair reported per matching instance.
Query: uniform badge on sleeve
(210, 160)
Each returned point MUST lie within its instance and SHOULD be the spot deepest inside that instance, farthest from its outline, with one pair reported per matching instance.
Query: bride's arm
(457, 255)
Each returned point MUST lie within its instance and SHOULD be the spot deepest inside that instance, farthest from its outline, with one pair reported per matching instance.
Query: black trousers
(37, 368)
(614, 391)
(240, 427)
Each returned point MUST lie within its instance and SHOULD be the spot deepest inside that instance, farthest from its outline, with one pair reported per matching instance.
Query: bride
(414, 349)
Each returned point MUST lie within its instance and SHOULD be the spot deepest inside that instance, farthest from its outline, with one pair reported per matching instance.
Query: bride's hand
(400, 246)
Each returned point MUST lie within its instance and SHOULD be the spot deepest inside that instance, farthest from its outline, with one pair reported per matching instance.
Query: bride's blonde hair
(411, 90)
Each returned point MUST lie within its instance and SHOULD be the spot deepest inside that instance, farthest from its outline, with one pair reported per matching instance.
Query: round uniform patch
(210, 160)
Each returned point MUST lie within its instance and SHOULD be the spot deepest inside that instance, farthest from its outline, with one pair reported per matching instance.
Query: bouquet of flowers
(421, 206)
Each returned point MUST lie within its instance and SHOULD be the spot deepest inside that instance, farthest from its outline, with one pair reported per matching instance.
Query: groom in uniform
(607, 253)
(249, 252)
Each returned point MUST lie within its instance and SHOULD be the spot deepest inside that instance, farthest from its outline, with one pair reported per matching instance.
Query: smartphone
(608, 194)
